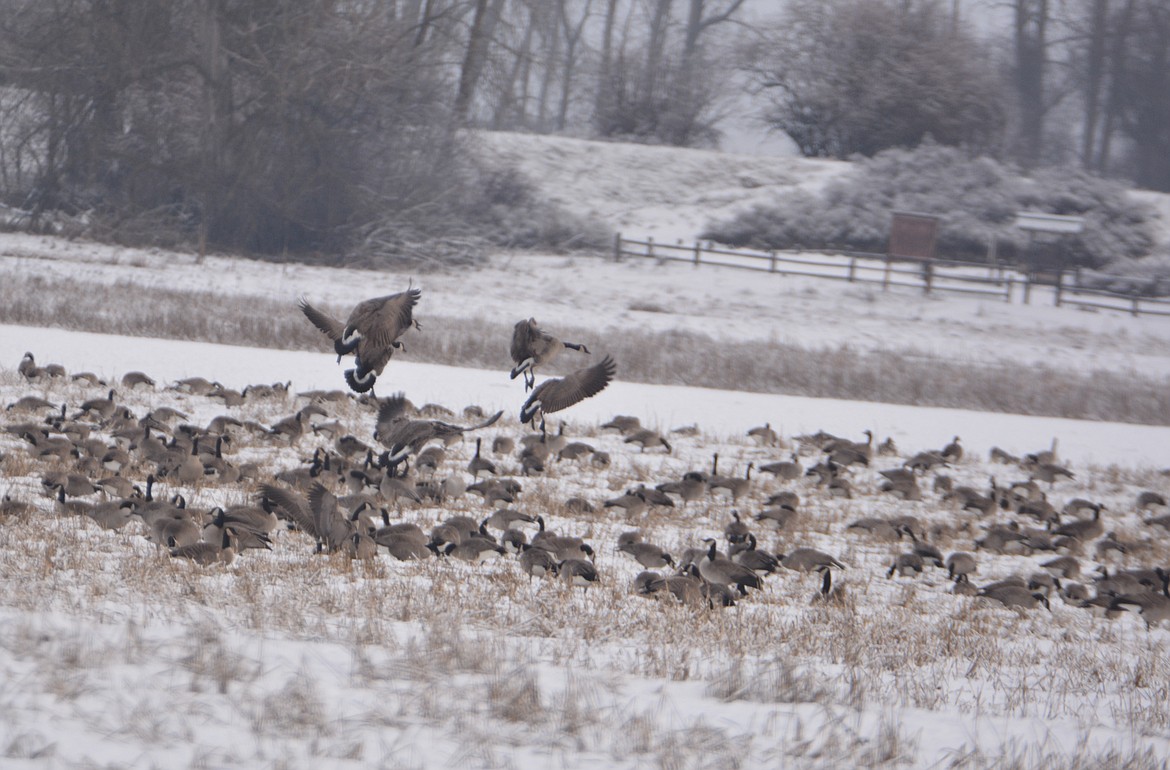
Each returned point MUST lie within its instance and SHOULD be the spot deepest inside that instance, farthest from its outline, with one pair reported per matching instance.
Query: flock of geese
(104, 461)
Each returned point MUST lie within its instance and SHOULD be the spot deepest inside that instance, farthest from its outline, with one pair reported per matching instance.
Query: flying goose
(533, 347)
(371, 333)
(561, 393)
(403, 435)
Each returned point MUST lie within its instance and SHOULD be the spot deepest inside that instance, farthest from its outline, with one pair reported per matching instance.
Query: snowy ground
(112, 654)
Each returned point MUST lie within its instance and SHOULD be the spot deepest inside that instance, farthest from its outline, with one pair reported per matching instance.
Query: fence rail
(928, 276)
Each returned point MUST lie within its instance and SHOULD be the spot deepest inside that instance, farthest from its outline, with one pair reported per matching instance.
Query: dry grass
(673, 357)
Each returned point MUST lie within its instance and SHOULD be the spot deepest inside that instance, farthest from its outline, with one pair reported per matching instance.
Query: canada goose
(579, 505)
(28, 367)
(737, 530)
(561, 393)
(952, 452)
(118, 486)
(474, 549)
(30, 404)
(533, 347)
(629, 537)
(480, 464)
(906, 565)
(690, 591)
(495, 490)
(647, 583)
(503, 445)
(737, 486)
(318, 515)
(776, 517)
(429, 459)
(575, 450)
(1153, 607)
(112, 514)
(1066, 567)
(648, 439)
(1148, 500)
(785, 470)
(648, 555)
(1046, 472)
(73, 484)
(747, 554)
(808, 560)
(403, 546)
(960, 566)
(1083, 529)
(577, 572)
(998, 455)
(132, 380)
(101, 408)
(1044, 582)
(537, 562)
(928, 552)
(631, 502)
(175, 531)
(1015, 596)
(723, 571)
(206, 554)
(403, 435)
(624, 424)
(508, 518)
(764, 435)
(196, 386)
(692, 486)
(371, 333)
(925, 461)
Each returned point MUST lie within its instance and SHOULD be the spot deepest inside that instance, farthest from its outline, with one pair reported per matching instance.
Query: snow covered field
(114, 654)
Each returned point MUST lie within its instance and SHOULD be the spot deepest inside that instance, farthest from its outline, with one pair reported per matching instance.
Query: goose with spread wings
(403, 435)
(371, 333)
(533, 347)
(561, 393)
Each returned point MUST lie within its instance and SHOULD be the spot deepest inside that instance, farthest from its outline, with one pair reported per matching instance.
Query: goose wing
(294, 505)
(332, 327)
(382, 320)
(558, 394)
(323, 504)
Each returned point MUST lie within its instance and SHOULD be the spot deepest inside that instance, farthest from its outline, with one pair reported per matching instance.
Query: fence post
(1059, 287)
(772, 261)
(1007, 295)
(617, 247)
(886, 275)
(649, 247)
(927, 276)
(698, 247)
(852, 268)
(1027, 288)
(1135, 310)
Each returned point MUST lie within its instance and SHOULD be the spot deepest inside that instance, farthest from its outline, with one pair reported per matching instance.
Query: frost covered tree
(858, 76)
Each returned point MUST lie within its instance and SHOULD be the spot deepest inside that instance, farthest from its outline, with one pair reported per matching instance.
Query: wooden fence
(928, 276)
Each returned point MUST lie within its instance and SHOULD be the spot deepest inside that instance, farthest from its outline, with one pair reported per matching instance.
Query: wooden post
(1007, 294)
(852, 269)
(617, 247)
(1027, 288)
(698, 248)
(1059, 286)
(772, 261)
(886, 275)
(1135, 309)
(650, 247)
(927, 276)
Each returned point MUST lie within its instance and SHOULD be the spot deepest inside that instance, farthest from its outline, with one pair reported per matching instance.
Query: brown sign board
(913, 236)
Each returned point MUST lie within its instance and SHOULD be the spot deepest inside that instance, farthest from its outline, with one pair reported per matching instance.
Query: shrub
(976, 200)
